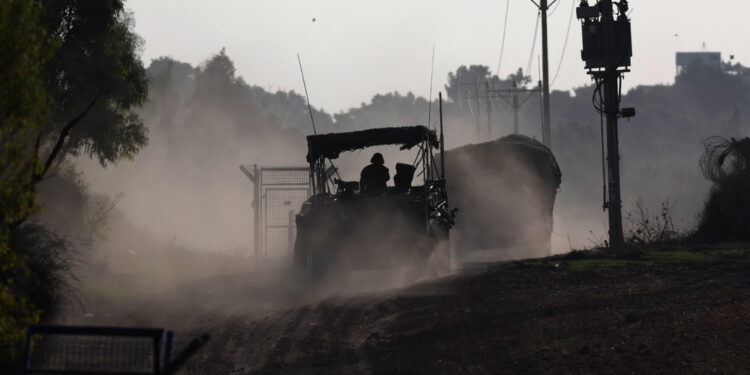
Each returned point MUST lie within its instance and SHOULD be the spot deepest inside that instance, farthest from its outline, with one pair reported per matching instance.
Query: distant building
(710, 59)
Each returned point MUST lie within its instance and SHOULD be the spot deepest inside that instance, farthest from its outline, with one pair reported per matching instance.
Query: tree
(22, 104)
(217, 79)
(478, 74)
(22, 109)
(69, 79)
(519, 78)
(97, 67)
(171, 84)
(392, 109)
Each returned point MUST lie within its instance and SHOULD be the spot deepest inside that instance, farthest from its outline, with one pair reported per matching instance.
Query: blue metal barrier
(96, 350)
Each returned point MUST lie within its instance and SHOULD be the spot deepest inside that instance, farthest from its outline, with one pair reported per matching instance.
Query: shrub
(726, 215)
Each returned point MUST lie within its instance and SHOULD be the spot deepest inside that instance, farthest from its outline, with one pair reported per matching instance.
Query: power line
(557, 5)
(502, 44)
(565, 45)
(533, 43)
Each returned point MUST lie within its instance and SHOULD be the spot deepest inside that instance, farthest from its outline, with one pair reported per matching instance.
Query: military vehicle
(513, 219)
(342, 228)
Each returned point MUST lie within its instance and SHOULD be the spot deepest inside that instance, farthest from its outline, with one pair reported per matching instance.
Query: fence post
(290, 233)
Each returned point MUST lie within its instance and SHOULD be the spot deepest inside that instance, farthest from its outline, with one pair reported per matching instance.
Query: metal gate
(96, 350)
(278, 195)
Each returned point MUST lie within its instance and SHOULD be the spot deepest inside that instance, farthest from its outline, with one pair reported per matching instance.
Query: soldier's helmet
(377, 159)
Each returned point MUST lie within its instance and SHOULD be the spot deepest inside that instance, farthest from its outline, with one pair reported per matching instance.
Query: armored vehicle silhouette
(344, 226)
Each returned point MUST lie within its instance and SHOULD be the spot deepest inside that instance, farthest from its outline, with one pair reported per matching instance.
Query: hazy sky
(357, 48)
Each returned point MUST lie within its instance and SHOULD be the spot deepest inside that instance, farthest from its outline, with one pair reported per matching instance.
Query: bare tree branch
(61, 140)
(37, 177)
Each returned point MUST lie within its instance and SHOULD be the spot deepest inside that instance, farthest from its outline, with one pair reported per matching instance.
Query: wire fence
(284, 190)
(285, 176)
(281, 205)
(94, 350)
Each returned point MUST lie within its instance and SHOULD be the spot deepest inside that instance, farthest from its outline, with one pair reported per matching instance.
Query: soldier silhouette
(374, 176)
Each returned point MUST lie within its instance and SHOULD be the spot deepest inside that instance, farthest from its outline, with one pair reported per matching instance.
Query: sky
(355, 49)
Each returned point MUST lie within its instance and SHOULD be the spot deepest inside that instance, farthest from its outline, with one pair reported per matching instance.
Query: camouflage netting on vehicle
(505, 190)
(331, 145)
(726, 215)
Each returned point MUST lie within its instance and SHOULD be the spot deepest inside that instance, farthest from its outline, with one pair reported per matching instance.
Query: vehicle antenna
(442, 137)
(307, 97)
(432, 70)
(312, 120)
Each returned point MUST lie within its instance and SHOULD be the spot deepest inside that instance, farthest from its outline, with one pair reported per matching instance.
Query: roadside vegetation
(69, 79)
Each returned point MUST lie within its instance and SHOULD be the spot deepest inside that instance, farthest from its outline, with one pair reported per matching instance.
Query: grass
(108, 290)
(603, 259)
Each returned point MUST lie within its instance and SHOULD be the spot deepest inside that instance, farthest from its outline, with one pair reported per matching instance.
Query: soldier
(374, 176)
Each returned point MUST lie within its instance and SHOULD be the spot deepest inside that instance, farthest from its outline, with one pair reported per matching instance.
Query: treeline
(177, 85)
(660, 147)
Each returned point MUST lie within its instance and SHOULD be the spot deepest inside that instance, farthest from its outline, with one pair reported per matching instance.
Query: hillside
(671, 312)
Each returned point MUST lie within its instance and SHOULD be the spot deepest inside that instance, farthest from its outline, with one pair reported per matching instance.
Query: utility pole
(512, 98)
(516, 107)
(612, 109)
(476, 105)
(607, 49)
(489, 110)
(543, 6)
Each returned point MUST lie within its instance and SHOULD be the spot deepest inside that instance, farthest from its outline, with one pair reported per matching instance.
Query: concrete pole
(546, 130)
(612, 109)
(489, 110)
(476, 108)
(516, 107)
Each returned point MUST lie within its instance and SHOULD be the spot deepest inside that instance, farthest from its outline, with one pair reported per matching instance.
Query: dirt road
(667, 312)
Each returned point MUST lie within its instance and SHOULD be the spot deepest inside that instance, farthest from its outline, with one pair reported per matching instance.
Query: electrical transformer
(599, 51)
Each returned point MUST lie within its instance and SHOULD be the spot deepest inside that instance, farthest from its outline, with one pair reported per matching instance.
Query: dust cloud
(184, 222)
(187, 185)
(179, 240)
